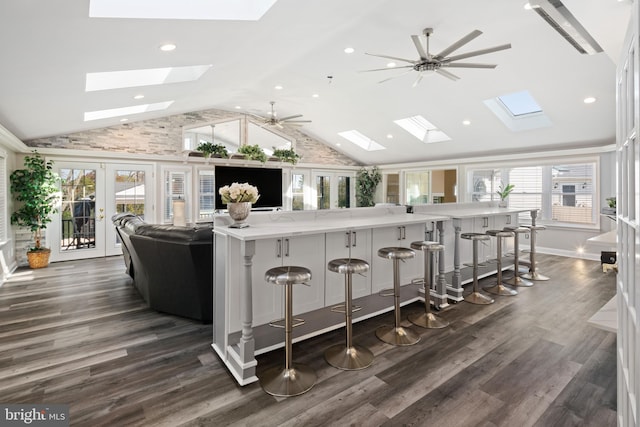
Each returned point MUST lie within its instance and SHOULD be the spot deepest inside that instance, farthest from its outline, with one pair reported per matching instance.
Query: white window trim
(188, 171)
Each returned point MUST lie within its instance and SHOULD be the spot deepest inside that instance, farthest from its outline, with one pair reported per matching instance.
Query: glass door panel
(334, 190)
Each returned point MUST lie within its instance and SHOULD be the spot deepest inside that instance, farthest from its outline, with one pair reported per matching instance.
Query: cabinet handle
(399, 233)
(347, 239)
(286, 247)
(485, 221)
(404, 232)
(508, 219)
(355, 238)
(279, 248)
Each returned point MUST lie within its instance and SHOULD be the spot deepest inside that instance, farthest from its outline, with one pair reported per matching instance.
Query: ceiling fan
(273, 120)
(436, 63)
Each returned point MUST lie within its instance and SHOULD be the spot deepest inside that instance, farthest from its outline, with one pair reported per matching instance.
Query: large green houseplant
(366, 183)
(36, 191)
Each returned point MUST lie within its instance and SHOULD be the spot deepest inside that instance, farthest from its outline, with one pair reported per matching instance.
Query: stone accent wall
(164, 136)
(24, 241)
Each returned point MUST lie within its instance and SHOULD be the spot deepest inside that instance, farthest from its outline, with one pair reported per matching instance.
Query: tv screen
(267, 180)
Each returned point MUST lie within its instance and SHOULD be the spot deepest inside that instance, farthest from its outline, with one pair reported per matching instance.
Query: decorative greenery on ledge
(366, 183)
(208, 149)
(253, 152)
(286, 155)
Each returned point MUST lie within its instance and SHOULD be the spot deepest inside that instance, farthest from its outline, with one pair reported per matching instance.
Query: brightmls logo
(34, 415)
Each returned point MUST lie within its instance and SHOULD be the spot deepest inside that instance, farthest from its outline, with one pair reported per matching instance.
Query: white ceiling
(48, 47)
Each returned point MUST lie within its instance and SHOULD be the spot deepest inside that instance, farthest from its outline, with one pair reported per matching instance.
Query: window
(176, 187)
(297, 192)
(564, 193)
(417, 189)
(207, 195)
(3, 198)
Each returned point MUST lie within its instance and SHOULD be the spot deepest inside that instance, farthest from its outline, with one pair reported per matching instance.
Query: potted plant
(611, 207)
(253, 152)
(366, 183)
(504, 191)
(286, 155)
(36, 191)
(209, 149)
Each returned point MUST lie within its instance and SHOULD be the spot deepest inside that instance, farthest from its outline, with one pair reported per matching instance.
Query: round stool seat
(396, 252)
(288, 275)
(516, 229)
(500, 233)
(474, 236)
(427, 246)
(348, 266)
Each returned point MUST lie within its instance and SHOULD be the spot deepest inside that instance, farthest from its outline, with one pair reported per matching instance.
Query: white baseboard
(571, 254)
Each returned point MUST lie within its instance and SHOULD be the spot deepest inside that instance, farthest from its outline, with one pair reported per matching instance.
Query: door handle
(286, 247)
(347, 238)
(279, 248)
(355, 238)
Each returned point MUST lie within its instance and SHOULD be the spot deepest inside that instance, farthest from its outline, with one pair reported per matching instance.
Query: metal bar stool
(427, 319)
(396, 335)
(533, 274)
(293, 379)
(516, 280)
(499, 288)
(475, 297)
(349, 357)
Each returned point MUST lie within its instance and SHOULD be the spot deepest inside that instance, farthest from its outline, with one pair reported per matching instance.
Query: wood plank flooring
(77, 333)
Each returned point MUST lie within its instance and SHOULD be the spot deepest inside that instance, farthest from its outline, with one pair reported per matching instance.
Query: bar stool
(475, 297)
(293, 379)
(427, 319)
(396, 335)
(533, 274)
(516, 280)
(349, 357)
(499, 288)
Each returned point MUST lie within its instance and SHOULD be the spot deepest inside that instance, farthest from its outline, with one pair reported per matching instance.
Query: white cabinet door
(303, 251)
(347, 244)
(382, 268)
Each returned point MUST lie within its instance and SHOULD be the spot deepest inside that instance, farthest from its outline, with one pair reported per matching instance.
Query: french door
(91, 194)
(333, 190)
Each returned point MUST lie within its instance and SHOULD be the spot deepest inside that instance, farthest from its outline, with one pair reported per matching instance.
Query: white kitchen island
(244, 303)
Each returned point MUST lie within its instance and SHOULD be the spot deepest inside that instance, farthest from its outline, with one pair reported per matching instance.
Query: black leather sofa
(171, 266)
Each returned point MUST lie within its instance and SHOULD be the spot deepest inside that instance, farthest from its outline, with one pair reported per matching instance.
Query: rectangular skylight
(148, 77)
(361, 141)
(422, 129)
(239, 10)
(126, 111)
(520, 103)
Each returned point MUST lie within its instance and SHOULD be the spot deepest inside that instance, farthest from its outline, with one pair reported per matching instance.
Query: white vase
(503, 203)
(239, 213)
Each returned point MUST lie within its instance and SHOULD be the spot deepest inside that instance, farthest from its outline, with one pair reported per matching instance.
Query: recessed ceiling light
(389, 136)
(589, 100)
(124, 120)
(278, 87)
(238, 107)
(527, 6)
(315, 95)
(140, 96)
(466, 122)
(337, 144)
(168, 47)
(391, 65)
(349, 50)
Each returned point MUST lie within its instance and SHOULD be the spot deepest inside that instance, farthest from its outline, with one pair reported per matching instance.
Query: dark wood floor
(77, 333)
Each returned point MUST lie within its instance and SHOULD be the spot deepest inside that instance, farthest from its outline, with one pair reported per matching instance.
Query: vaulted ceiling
(48, 47)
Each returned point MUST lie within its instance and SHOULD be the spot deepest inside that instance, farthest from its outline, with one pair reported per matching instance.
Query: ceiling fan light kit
(428, 62)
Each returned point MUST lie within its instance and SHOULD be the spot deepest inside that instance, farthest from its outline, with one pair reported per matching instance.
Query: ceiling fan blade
(419, 48)
(478, 52)
(392, 57)
(457, 45)
(418, 80)
(295, 116)
(467, 65)
(297, 121)
(447, 74)
(396, 76)
(384, 69)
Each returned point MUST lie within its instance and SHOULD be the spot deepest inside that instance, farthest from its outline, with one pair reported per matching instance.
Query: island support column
(441, 300)
(456, 280)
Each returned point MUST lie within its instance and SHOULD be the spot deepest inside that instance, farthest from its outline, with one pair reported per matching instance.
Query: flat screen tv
(267, 180)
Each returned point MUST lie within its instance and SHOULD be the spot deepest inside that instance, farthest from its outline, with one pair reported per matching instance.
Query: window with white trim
(206, 194)
(176, 187)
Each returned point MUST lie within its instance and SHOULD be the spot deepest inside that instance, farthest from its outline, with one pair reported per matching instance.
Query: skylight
(422, 129)
(151, 76)
(520, 103)
(239, 10)
(125, 111)
(361, 141)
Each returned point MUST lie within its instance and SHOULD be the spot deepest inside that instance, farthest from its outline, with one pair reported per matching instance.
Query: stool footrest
(387, 293)
(279, 323)
(342, 308)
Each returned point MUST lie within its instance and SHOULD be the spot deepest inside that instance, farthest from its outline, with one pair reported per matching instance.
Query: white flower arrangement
(237, 193)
